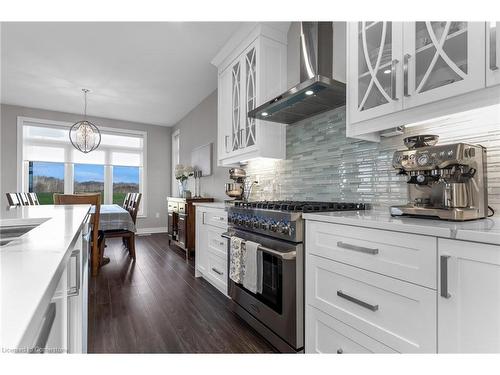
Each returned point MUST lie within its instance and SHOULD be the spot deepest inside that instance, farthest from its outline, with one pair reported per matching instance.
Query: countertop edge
(470, 235)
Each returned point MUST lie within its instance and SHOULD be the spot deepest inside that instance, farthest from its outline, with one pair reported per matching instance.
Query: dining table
(114, 217)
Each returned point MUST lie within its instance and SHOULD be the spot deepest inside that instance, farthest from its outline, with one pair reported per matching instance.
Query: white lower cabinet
(399, 314)
(211, 247)
(469, 297)
(330, 335)
(373, 291)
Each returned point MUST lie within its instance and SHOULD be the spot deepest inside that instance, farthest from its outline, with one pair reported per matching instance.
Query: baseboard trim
(151, 230)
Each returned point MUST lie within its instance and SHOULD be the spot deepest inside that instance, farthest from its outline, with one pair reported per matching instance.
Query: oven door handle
(290, 255)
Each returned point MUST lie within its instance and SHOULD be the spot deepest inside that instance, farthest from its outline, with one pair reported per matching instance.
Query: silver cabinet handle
(393, 79)
(217, 271)
(226, 141)
(494, 63)
(75, 290)
(444, 276)
(361, 249)
(405, 73)
(364, 304)
(340, 351)
(47, 323)
(220, 218)
(217, 242)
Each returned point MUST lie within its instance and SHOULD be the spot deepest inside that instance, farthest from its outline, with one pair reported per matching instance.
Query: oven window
(272, 272)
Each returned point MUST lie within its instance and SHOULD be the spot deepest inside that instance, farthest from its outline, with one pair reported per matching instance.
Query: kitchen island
(43, 279)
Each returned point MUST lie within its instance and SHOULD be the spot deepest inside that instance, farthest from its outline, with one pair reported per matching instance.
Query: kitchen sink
(12, 232)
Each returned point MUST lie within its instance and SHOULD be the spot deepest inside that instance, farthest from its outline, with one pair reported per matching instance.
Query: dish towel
(235, 259)
(251, 267)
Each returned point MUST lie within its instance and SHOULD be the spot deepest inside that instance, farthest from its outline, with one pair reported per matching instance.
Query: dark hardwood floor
(156, 305)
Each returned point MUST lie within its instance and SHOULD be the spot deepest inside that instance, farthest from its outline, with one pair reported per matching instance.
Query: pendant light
(84, 135)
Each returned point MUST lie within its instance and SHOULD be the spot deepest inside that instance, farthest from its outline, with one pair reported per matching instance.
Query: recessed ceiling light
(309, 92)
(387, 71)
(264, 114)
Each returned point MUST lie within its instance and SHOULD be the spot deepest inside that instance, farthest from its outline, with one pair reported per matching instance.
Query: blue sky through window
(126, 175)
(55, 170)
(89, 172)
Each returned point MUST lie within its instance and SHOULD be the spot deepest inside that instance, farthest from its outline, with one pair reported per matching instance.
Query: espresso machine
(448, 182)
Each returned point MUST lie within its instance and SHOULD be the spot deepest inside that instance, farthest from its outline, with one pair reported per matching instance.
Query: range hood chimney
(317, 91)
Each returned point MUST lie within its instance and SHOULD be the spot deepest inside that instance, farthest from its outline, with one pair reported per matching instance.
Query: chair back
(23, 198)
(12, 199)
(126, 200)
(133, 205)
(95, 200)
(33, 199)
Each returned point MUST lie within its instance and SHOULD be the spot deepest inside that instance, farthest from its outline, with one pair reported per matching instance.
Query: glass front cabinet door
(375, 57)
(492, 53)
(441, 59)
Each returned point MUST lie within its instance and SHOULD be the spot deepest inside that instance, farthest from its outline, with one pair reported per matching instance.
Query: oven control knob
(274, 227)
(264, 225)
(285, 229)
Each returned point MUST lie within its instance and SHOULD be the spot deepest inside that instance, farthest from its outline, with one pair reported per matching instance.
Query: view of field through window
(46, 178)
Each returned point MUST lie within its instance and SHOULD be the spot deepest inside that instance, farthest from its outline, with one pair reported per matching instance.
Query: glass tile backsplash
(322, 164)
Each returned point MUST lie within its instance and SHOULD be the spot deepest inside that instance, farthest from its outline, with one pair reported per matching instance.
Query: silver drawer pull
(220, 218)
(364, 304)
(217, 271)
(217, 242)
(361, 249)
(444, 276)
(75, 290)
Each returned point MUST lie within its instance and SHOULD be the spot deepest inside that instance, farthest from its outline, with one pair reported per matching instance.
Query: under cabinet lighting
(387, 71)
(264, 114)
(309, 92)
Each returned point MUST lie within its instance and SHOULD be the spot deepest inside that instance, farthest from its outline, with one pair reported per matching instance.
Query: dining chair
(128, 237)
(126, 200)
(13, 199)
(23, 198)
(33, 198)
(97, 241)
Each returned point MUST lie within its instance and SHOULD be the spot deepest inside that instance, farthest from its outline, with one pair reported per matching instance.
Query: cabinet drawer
(398, 314)
(216, 218)
(325, 334)
(217, 272)
(173, 207)
(216, 243)
(404, 256)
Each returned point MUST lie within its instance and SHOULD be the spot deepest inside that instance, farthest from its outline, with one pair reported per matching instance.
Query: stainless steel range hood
(317, 91)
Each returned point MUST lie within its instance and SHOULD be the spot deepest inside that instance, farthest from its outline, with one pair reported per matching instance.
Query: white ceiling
(152, 73)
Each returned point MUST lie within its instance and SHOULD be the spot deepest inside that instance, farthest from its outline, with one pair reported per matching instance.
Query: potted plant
(182, 174)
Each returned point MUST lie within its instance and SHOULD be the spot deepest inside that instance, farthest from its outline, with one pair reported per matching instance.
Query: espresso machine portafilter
(444, 181)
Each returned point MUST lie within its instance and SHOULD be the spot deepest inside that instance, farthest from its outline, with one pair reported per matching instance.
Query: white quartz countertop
(220, 205)
(31, 266)
(483, 230)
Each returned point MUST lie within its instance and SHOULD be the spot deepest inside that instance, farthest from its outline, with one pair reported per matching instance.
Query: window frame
(22, 168)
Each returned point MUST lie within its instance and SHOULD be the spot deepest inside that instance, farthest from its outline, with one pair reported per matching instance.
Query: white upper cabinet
(400, 73)
(441, 59)
(374, 60)
(469, 297)
(492, 53)
(251, 72)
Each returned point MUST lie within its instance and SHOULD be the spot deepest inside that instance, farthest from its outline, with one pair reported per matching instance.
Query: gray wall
(158, 158)
(198, 128)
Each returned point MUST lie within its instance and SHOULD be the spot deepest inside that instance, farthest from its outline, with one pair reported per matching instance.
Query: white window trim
(22, 185)
(175, 134)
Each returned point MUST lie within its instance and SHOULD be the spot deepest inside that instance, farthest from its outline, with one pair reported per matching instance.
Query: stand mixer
(448, 182)
(238, 188)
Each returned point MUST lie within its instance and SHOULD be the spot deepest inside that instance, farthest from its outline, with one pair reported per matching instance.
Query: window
(51, 164)
(89, 178)
(125, 180)
(45, 179)
(175, 157)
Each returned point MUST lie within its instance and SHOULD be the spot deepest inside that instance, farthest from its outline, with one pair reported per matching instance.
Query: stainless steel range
(278, 312)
